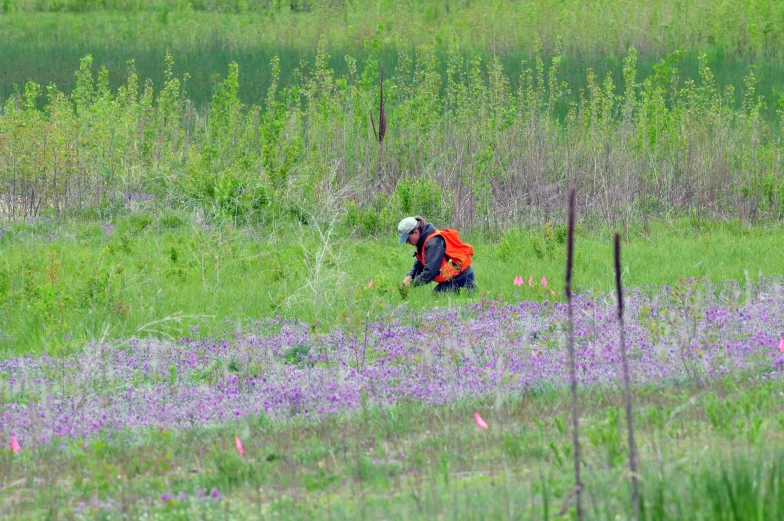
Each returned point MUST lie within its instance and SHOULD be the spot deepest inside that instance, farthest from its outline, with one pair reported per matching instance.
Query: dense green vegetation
(46, 47)
(476, 153)
(672, 109)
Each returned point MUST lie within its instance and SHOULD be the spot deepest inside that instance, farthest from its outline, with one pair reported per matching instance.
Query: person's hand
(407, 280)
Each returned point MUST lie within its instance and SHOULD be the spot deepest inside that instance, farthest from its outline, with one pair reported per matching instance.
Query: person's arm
(434, 256)
(416, 270)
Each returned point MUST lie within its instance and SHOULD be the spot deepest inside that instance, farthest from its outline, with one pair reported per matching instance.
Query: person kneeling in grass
(440, 256)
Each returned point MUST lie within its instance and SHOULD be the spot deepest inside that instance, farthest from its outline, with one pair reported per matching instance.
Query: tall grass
(476, 152)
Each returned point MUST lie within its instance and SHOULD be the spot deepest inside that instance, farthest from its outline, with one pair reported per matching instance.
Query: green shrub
(423, 196)
(377, 219)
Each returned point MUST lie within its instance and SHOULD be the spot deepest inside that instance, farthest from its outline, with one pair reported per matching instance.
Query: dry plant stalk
(578, 487)
(382, 122)
(626, 380)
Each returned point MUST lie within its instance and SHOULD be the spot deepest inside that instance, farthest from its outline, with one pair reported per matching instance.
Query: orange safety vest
(456, 259)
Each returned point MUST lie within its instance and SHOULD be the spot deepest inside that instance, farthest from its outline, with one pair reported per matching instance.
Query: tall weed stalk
(578, 485)
(382, 124)
(626, 380)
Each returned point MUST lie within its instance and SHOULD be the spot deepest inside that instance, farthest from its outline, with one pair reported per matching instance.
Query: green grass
(412, 462)
(742, 28)
(64, 285)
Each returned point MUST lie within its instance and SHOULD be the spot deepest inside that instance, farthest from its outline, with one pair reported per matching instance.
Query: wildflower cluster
(282, 369)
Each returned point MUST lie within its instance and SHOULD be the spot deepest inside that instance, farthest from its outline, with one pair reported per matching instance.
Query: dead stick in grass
(626, 380)
(578, 487)
(382, 124)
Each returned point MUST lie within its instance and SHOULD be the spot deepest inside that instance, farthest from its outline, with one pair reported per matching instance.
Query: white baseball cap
(405, 227)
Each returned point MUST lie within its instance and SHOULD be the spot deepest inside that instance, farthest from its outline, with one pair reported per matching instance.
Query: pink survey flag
(14, 445)
(531, 281)
(781, 345)
(544, 281)
(479, 421)
(518, 280)
(239, 445)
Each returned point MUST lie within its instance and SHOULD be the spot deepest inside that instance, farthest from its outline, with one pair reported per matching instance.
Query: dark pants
(464, 280)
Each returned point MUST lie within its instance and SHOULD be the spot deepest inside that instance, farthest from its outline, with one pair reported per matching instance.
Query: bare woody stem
(578, 488)
(626, 380)
(382, 122)
(382, 117)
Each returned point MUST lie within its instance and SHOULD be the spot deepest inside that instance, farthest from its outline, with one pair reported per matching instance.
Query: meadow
(274, 419)
(65, 285)
(201, 314)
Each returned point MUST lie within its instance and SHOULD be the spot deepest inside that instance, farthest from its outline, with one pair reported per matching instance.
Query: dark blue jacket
(434, 256)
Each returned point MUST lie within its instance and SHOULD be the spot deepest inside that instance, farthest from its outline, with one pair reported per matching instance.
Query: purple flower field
(468, 352)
